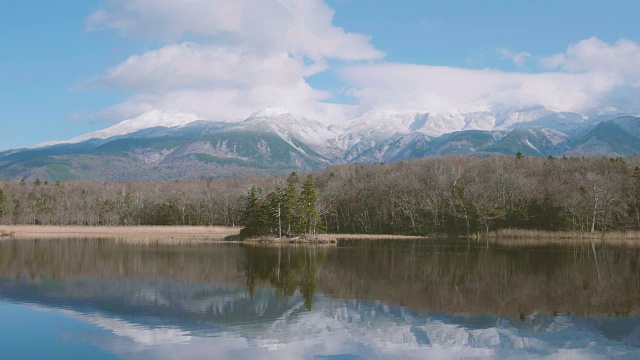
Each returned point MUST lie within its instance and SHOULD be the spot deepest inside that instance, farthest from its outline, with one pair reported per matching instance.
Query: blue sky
(64, 68)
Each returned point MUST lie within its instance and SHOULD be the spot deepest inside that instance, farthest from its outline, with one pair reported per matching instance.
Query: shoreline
(200, 234)
(171, 234)
(327, 239)
(561, 235)
(130, 234)
(516, 237)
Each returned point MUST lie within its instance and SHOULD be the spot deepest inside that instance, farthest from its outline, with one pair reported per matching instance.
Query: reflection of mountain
(450, 277)
(247, 302)
(356, 328)
(198, 307)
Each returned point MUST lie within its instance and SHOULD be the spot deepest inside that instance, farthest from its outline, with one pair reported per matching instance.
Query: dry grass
(536, 237)
(324, 239)
(129, 234)
(170, 234)
(335, 237)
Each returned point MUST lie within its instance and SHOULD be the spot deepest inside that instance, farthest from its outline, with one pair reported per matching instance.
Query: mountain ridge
(275, 140)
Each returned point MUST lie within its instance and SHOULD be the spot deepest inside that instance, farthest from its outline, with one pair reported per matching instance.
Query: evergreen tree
(636, 199)
(289, 202)
(254, 217)
(309, 216)
(5, 207)
(272, 212)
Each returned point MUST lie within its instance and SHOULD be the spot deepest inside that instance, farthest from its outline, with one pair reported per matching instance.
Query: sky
(71, 67)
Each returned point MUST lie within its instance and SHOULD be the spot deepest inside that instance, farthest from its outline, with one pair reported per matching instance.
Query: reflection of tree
(285, 268)
(445, 276)
(458, 277)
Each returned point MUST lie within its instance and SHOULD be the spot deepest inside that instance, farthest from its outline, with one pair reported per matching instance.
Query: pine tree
(309, 216)
(272, 210)
(289, 202)
(253, 216)
(5, 207)
(636, 188)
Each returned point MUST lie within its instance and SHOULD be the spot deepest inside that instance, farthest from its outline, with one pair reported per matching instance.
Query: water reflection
(368, 300)
(292, 268)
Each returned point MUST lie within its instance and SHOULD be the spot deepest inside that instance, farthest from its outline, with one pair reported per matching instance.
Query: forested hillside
(419, 196)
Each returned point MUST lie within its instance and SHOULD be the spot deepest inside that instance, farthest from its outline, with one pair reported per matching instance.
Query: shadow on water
(446, 276)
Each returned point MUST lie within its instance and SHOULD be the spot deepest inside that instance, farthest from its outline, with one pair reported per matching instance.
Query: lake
(99, 299)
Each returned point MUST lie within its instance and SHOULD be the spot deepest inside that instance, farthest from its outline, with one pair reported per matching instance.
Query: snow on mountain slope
(375, 126)
(292, 128)
(147, 120)
(479, 121)
(349, 140)
(289, 126)
(442, 123)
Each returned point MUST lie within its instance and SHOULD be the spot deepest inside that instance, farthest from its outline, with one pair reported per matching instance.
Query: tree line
(419, 196)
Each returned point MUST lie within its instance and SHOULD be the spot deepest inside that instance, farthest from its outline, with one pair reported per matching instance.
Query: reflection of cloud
(140, 334)
(367, 330)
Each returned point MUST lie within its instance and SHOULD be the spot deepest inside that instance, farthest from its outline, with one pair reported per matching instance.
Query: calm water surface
(400, 299)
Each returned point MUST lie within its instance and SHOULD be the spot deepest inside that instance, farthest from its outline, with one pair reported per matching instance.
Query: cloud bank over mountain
(224, 60)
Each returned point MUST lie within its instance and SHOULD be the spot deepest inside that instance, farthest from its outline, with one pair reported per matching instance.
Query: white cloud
(444, 89)
(553, 62)
(220, 83)
(299, 27)
(590, 74)
(518, 58)
(188, 65)
(620, 60)
(250, 54)
(229, 104)
(245, 55)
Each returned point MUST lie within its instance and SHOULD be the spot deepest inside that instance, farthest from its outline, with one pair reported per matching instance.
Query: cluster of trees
(420, 196)
(468, 195)
(282, 211)
(214, 202)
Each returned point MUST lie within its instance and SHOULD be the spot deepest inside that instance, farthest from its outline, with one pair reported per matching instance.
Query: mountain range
(158, 146)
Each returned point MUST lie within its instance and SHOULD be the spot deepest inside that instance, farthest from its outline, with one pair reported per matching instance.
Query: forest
(439, 195)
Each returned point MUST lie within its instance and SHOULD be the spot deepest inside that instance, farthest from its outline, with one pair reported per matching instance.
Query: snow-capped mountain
(150, 119)
(292, 128)
(160, 146)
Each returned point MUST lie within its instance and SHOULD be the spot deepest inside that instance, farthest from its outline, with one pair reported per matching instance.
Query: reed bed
(128, 234)
(536, 237)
